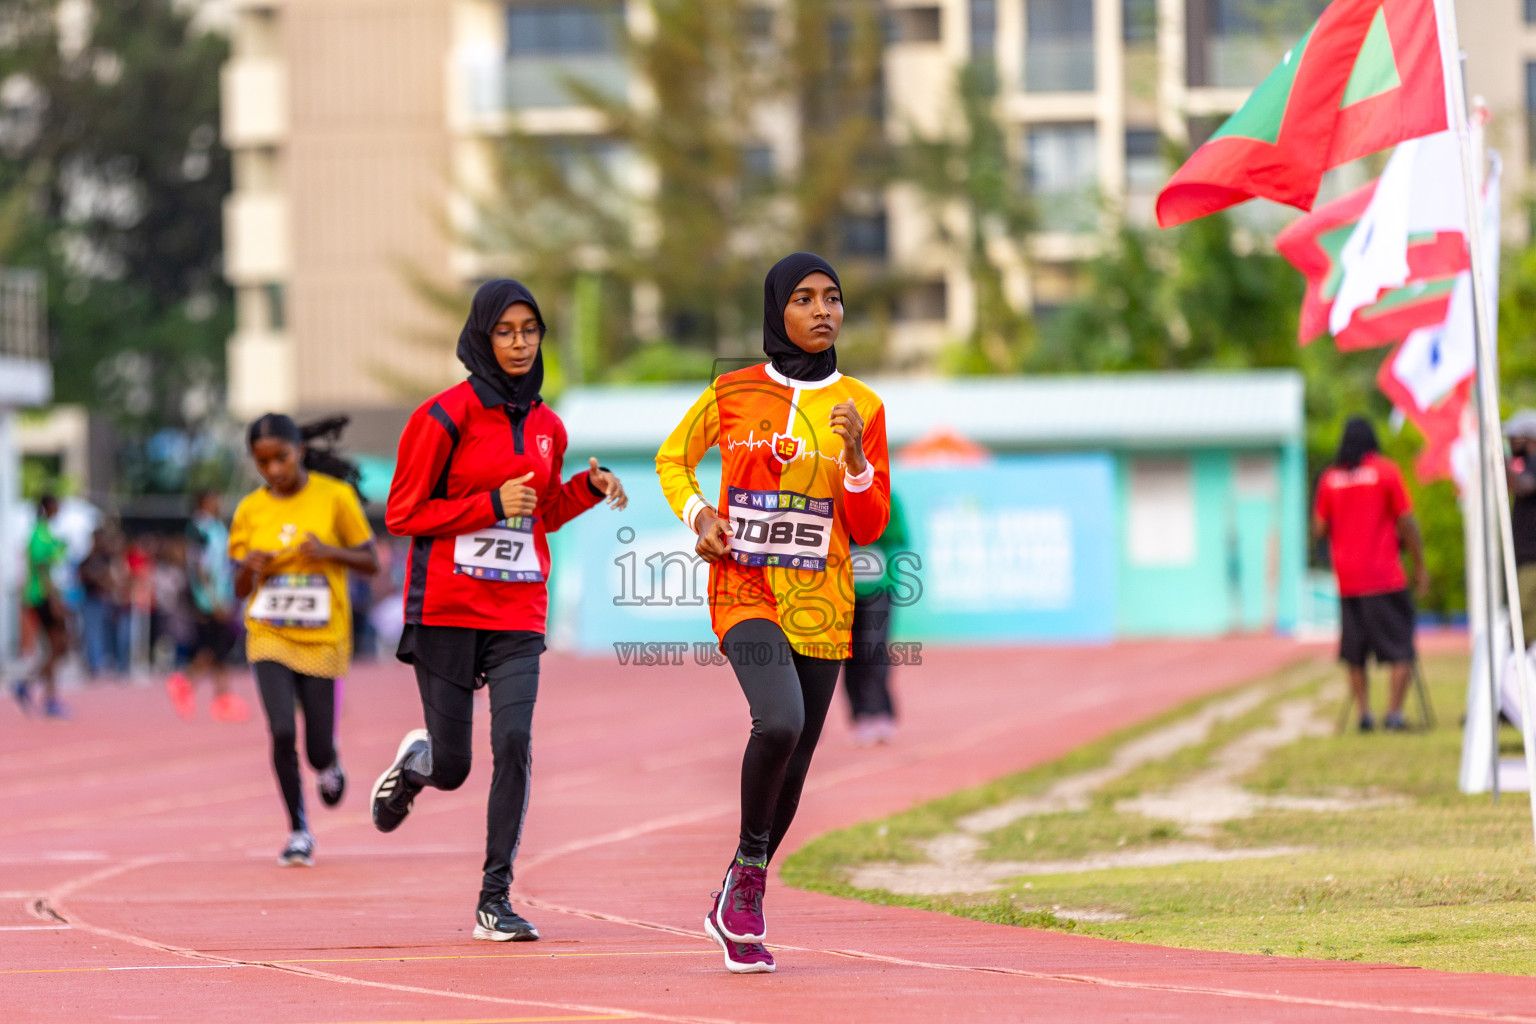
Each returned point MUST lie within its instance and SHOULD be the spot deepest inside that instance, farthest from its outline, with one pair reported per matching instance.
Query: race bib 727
(504, 552)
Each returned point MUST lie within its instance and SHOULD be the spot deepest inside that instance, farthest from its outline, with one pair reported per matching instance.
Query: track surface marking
(139, 877)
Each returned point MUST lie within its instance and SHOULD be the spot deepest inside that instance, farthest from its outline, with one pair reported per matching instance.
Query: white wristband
(855, 484)
(691, 511)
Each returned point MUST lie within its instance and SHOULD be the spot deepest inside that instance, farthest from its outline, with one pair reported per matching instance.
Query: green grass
(1436, 879)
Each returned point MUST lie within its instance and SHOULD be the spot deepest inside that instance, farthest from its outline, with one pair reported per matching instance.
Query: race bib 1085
(293, 600)
(779, 528)
(503, 552)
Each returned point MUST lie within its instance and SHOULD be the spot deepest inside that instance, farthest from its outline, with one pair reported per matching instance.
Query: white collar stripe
(801, 385)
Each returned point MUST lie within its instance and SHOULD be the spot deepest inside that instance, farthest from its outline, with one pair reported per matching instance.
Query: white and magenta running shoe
(740, 957)
(738, 909)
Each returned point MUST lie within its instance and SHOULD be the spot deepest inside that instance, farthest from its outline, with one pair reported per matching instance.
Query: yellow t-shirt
(286, 618)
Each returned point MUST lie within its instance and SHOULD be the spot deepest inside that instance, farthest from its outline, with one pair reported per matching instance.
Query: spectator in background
(1521, 468)
(365, 639)
(45, 554)
(170, 621)
(1363, 510)
(211, 590)
(140, 564)
(867, 674)
(99, 588)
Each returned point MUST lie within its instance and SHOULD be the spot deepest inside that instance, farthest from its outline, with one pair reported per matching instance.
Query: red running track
(138, 879)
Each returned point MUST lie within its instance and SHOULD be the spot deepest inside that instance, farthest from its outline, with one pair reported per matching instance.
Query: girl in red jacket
(477, 487)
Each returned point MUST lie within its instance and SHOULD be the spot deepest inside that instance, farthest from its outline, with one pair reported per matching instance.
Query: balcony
(256, 237)
(262, 373)
(529, 82)
(1241, 61)
(1062, 176)
(1074, 212)
(542, 81)
(255, 102)
(26, 379)
(1063, 64)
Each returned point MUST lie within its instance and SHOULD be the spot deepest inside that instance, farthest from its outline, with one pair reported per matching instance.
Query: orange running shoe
(179, 687)
(228, 708)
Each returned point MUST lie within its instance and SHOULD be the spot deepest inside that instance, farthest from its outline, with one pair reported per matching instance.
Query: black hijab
(477, 355)
(1359, 440)
(788, 358)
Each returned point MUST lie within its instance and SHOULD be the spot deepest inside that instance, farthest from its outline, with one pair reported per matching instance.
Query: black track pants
(789, 695)
(868, 675)
(509, 664)
(281, 689)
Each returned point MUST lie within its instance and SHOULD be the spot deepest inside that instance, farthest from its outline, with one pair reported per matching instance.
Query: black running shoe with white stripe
(393, 793)
(300, 851)
(496, 921)
(332, 784)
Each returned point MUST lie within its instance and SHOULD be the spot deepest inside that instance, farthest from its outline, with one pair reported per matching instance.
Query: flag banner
(1436, 461)
(1397, 314)
(1313, 244)
(1441, 427)
(1421, 190)
(1368, 74)
(1431, 361)
(1429, 377)
(1382, 261)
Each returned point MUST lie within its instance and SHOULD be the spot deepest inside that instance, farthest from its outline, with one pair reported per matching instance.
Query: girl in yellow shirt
(293, 542)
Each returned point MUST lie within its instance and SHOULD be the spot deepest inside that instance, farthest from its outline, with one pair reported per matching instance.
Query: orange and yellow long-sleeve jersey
(792, 505)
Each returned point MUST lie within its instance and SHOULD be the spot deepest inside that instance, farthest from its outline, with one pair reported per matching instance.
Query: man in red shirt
(1363, 510)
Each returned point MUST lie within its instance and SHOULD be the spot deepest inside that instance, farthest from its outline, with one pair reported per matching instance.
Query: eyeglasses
(530, 335)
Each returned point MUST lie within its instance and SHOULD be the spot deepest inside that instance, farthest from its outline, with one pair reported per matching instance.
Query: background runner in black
(1521, 469)
(283, 689)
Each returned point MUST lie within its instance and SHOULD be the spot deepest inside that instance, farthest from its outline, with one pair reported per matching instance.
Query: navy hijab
(477, 355)
(788, 358)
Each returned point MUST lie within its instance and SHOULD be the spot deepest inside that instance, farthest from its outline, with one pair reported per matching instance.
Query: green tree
(1517, 328)
(1180, 299)
(1191, 298)
(976, 173)
(111, 132)
(654, 274)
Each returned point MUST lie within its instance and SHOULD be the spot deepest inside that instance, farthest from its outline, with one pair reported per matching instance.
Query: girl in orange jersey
(804, 473)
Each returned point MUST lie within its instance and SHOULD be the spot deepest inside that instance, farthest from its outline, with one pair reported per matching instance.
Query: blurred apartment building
(358, 128)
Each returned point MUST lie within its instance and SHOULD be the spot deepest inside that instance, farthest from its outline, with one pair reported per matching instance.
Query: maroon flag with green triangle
(1368, 74)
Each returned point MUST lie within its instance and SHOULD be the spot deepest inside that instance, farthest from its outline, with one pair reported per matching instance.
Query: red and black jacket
(456, 452)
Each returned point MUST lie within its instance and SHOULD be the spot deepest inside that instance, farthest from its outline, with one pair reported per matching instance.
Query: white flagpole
(1488, 390)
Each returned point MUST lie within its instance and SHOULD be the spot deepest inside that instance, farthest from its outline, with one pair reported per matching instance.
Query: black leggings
(281, 687)
(509, 664)
(789, 695)
(867, 678)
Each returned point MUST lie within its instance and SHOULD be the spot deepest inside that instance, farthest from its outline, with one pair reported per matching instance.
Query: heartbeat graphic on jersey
(773, 445)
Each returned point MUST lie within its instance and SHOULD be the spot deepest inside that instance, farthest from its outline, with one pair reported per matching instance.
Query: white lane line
(58, 910)
(181, 967)
(1454, 1013)
(34, 928)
